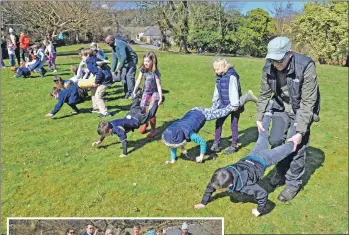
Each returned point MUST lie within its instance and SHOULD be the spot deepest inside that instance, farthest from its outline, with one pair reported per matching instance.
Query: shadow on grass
(140, 143)
(83, 110)
(248, 136)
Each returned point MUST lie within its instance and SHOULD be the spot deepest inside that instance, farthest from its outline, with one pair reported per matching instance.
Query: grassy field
(50, 169)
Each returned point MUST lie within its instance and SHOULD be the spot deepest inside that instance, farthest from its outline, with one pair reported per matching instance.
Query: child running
(151, 89)
(132, 121)
(244, 175)
(185, 129)
(226, 94)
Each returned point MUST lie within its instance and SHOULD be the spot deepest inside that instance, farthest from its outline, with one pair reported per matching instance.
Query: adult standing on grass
(292, 80)
(24, 42)
(15, 40)
(127, 58)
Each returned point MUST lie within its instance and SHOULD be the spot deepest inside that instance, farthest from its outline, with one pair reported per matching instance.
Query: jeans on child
(261, 149)
(12, 58)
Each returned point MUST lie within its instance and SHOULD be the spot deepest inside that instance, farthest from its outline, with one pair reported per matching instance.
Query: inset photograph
(115, 226)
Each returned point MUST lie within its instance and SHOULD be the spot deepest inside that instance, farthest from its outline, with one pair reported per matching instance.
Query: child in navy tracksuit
(185, 129)
(122, 126)
(22, 71)
(227, 93)
(72, 96)
(244, 175)
(104, 79)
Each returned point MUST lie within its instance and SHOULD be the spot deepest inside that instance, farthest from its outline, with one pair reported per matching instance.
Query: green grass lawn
(50, 169)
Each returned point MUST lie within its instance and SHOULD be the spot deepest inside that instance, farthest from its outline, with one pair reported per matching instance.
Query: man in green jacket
(127, 58)
(289, 81)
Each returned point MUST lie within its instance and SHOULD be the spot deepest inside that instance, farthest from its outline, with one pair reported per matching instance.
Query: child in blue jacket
(185, 129)
(72, 96)
(244, 175)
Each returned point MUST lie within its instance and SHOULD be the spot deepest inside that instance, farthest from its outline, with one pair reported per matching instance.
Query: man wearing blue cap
(289, 79)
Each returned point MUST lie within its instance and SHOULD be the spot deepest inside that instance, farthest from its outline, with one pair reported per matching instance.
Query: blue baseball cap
(278, 47)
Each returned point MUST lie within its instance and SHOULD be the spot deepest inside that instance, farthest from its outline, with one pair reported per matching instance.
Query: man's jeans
(293, 167)
(128, 73)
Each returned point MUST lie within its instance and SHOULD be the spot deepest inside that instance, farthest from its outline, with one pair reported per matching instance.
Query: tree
(322, 31)
(49, 18)
(255, 33)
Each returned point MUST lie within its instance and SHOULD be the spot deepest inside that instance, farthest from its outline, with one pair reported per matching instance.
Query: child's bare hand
(95, 143)
(172, 161)
(199, 159)
(255, 212)
(199, 206)
(49, 115)
(160, 102)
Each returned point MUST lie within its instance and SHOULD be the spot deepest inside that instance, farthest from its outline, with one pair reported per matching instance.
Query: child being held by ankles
(185, 129)
(134, 118)
(244, 175)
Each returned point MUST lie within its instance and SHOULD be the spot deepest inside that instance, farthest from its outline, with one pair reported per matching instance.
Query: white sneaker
(55, 71)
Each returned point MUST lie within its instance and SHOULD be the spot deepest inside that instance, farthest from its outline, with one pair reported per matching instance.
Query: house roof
(152, 31)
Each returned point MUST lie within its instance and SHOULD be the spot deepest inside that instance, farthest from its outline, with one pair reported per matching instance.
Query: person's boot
(277, 180)
(287, 194)
(230, 150)
(248, 97)
(143, 128)
(215, 147)
(152, 132)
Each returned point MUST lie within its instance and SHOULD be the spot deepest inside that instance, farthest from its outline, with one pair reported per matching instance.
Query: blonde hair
(222, 64)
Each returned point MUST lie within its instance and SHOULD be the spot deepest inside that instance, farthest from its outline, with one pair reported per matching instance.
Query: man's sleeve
(308, 99)
(264, 96)
(122, 52)
(259, 193)
(207, 195)
(114, 61)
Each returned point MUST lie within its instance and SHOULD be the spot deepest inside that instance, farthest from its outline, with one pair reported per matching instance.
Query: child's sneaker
(215, 147)
(230, 150)
(172, 161)
(55, 71)
(103, 115)
(95, 111)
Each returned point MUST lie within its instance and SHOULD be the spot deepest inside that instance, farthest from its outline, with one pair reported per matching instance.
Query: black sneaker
(287, 194)
(215, 147)
(277, 180)
(229, 150)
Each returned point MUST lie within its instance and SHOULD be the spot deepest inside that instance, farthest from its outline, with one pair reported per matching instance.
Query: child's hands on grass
(255, 212)
(199, 206)
(96, 143)
(199, 159)
(49, 115)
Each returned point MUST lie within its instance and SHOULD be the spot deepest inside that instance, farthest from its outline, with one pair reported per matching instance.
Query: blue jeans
(261, 149)
(12, 59)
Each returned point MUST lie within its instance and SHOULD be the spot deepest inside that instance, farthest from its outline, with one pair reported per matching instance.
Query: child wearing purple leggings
(51, 54)
(152, 90)
(226, 94)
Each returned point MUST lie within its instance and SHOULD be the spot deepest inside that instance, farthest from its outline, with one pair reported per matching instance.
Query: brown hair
(104, 127)
(151, 55)
(54, 91)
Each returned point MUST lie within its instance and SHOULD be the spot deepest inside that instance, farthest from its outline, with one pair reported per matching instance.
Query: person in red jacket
(24, 41)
